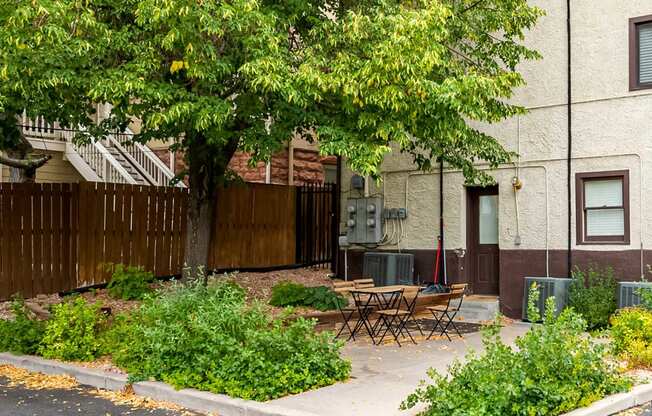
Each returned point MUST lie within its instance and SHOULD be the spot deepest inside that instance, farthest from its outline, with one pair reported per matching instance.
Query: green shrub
(205, 337)
(554, 369)
(293, 294)
(288, 294)
(593, 295)
(73, 331)
(631, 332)
(129, 282)
(22, 335)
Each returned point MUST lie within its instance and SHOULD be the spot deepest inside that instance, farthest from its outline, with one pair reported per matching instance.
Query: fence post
(299, 225)
(335, 225)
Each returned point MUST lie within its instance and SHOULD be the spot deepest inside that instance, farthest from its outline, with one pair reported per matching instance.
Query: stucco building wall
(612, 130)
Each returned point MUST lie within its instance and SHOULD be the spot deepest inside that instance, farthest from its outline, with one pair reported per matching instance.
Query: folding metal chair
(395, 318)
(365, 303)
(343, 288)
(446, 309)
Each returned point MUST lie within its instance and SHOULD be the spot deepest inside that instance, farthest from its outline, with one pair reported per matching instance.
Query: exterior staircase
(127, 165)
(114, 159)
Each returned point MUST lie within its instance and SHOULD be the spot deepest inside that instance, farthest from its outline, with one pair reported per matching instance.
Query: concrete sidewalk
(383, 376)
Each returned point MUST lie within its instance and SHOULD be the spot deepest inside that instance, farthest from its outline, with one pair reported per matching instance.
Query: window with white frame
(603, 207)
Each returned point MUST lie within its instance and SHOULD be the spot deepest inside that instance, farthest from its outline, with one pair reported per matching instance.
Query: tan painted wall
(55, 170)
(612, 130)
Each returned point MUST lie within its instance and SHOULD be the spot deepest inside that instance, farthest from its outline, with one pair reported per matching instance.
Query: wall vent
(548, 286)
(629, 293)
(389, 268)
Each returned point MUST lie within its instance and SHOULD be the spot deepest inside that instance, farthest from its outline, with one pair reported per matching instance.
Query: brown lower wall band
(514, 266)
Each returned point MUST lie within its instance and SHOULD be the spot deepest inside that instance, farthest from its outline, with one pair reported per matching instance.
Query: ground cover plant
(21, 335)
(592, 293)
(206, 337)
(129, 282)
(73, 332)
(320, 297)
(631, 333)
(553, 370)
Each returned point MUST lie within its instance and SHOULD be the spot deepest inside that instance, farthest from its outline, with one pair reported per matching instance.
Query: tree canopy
(217, 76)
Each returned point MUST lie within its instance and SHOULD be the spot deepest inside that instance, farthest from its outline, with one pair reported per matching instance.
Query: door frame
(472, 230)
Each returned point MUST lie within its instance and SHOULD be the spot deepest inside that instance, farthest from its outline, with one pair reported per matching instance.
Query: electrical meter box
(364, 220)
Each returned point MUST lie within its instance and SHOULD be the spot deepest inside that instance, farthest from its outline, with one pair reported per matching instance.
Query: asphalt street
(21, 401)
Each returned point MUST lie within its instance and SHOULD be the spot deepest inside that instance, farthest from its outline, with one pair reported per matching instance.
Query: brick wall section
(308, 166)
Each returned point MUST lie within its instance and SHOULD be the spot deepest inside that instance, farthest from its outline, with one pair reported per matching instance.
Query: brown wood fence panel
(129, 224)
(35, 245)
(56, 237)
(254, 227)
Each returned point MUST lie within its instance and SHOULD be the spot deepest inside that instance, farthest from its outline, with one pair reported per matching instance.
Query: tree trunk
(198, 235)
(18, 150)
(17, 174)
(207, 165)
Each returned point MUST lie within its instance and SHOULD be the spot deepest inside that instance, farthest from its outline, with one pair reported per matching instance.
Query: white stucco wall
(612, 130)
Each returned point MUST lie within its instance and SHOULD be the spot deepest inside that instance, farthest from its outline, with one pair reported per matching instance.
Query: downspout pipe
(441, 221)
(570, 133)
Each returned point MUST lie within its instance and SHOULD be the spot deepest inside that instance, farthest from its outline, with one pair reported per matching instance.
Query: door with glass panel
(482, 239)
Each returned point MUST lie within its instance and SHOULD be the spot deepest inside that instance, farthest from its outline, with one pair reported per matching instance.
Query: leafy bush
(22, 335)
(73, 331)
(129, 282)
(631, 332)
(288, 294)
(554, 369)
(205, 337)
(293, 294)
(593, 295)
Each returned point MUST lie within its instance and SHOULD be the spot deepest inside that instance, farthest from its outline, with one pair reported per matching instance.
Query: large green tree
(218, 76)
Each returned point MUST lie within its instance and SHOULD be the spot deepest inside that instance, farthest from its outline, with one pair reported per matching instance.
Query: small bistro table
(378, 298)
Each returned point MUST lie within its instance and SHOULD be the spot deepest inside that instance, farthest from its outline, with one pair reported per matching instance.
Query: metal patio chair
(343, 288)
(395, 318)
(446, 308)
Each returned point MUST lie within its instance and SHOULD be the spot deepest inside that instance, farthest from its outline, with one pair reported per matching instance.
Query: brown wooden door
(482, 239)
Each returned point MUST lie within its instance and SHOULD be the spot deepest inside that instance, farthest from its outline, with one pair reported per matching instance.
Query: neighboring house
(112, 160)
(108, 160)
(298, 164)
(523, 226)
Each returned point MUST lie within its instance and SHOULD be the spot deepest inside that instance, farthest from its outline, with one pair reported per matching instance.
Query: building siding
(55, 170)
(612, 130)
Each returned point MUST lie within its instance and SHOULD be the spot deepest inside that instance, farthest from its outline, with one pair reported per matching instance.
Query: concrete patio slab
(383, 376)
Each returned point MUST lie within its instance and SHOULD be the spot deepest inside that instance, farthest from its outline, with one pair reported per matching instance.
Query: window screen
(645, 53)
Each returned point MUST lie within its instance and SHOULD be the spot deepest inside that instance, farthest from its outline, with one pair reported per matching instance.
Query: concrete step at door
(475, 308)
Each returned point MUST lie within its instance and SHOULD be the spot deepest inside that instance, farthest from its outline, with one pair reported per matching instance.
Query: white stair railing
(39, 128)
(96, 158)
(142, 156)
(103, 163)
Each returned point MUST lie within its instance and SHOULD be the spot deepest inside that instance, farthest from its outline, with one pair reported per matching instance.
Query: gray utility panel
(364, 222)
(389, 268)
(548, 287)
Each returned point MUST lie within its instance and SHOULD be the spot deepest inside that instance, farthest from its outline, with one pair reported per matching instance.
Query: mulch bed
(258, 287)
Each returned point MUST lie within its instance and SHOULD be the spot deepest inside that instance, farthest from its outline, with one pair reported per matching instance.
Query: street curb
(191, 399)
(637, 396)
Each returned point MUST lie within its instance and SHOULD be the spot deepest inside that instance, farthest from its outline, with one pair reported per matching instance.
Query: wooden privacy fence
(55, 237)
